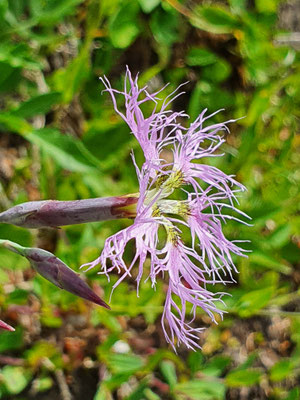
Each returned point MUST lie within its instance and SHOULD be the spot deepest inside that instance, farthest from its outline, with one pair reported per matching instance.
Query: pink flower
(188, 265)
(150, 131)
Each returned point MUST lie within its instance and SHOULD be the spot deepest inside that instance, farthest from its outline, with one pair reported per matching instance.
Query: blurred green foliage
(59, 138)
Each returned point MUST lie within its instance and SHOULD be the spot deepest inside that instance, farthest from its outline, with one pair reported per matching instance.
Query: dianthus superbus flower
(176, 197)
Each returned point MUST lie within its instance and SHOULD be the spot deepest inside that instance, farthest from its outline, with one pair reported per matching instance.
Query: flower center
(162, 207)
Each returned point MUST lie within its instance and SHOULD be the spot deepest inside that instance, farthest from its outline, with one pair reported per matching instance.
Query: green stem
(12, 246)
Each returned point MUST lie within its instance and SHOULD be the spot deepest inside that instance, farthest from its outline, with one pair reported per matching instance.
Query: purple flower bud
(4, 325)
(55, 271)
(54, 213)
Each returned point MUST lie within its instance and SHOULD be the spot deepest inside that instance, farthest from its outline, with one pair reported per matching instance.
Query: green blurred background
(60, 139)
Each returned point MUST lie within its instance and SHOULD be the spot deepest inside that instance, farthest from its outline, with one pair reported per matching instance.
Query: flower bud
(4, 325)
(55, 271)
(54, 213)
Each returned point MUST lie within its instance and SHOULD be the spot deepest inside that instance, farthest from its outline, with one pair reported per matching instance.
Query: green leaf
(155, 358)
(267, 261)
(51, 321)
(124, 363)
(138, 393)
(54, 10)
(124, 26)
(15, 378)
(280, 236)
(101, 316)
(195, 361)
(64, 149)
(14, 123)
(18, 296)
(10, 232)
(294, 394)
(113, 383)
(102, 393)
(259, 104)
(11, 340)
(39, 351)
(240, 378)
(281, 370)
(42, 384)
(108, 151)
(249, 361)
(217, 72)
(149, 5)
(17, 7)
(215, 19)
(164, 26)
(207, 95)
(3, 8)
(69, 80)
(291, 252)
(150, 395)
(269, 278)
(238, 6)
(253, 301)
(9, 77)
(18, 56)
(40, 104)
(266, 6)
(169, 372)
(201, 390)
(200, 57)
(216, 366)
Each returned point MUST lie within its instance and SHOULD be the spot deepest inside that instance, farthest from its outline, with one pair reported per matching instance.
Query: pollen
(175, 180)
(183, 209)
(156, 211)
(173, 235)
(161, 180)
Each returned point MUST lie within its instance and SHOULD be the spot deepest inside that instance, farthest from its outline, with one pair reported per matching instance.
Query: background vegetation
(60, 139)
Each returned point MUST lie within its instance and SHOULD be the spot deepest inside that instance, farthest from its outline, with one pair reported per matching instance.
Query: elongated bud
(55, 271)
(54, 213)
(4, 325)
